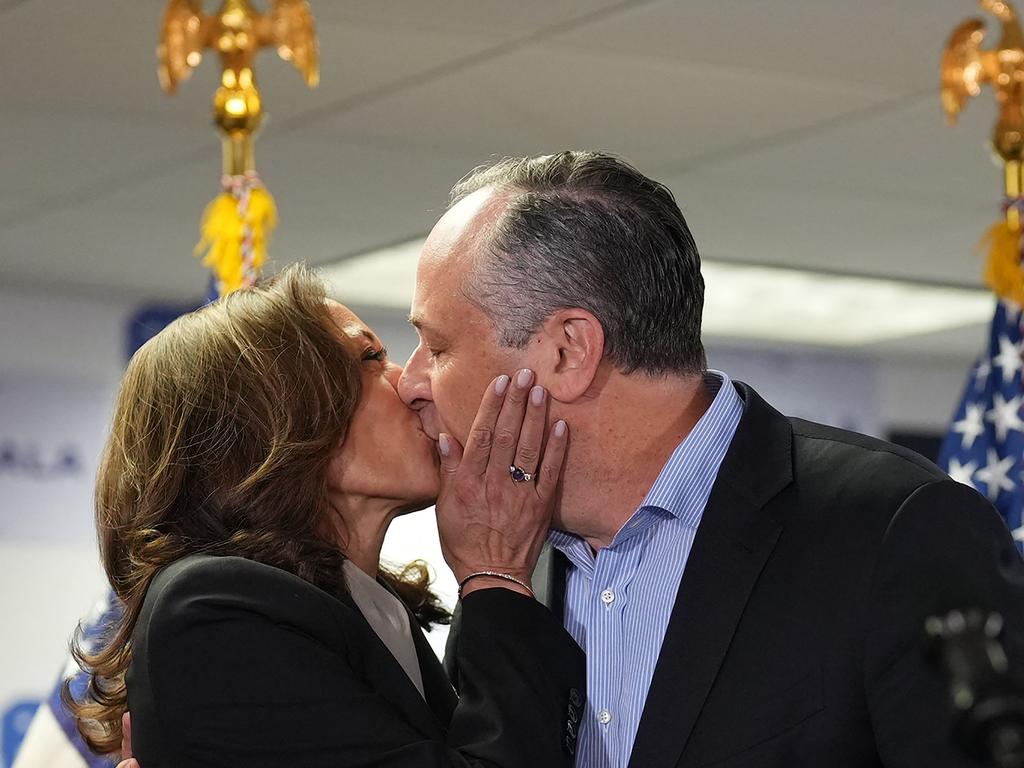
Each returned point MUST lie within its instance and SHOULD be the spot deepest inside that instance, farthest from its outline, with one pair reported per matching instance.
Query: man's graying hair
(585, 229)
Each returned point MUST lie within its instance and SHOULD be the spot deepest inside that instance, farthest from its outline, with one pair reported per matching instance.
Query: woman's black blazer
(236, 663)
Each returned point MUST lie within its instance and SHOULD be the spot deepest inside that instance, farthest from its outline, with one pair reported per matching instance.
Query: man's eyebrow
(422, 326)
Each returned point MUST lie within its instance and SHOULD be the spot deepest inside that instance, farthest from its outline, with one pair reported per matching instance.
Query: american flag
(985, 444)
(52, 739)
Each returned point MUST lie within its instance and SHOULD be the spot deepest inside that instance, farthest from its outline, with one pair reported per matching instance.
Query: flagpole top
(966, 67)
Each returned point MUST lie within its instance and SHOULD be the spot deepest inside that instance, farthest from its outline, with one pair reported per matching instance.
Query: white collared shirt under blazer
(388, 617)
(618, 603)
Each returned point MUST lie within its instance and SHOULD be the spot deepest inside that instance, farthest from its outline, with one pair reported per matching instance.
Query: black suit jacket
(796, 636)
(236, 663)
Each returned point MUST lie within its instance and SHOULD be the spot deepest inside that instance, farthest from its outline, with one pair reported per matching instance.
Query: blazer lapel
(735, 538)
(437, 688)
(385, 675)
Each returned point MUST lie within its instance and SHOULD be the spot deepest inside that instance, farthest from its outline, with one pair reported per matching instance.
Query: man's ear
(570, 350)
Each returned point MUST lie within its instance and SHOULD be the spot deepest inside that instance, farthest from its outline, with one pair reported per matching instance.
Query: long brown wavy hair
(222, 432)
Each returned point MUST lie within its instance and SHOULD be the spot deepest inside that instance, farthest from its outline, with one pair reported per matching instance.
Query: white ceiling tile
(905, 149)
(69, 57)
(542, 99)
(829, 228)
(47, 160)
(103, 58)
(333, 200)
(493, 18)
(137, 254)
(892, 44)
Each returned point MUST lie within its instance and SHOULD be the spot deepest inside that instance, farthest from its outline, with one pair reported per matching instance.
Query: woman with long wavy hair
(258, 453)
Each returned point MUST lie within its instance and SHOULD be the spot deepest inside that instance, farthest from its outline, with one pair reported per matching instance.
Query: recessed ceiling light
(746, 301)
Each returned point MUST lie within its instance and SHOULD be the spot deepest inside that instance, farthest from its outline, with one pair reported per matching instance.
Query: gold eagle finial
(237, 33)
(966, 67)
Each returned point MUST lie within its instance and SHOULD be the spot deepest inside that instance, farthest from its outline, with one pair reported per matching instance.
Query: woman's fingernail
(443, 445)
(537, 395)
(501, 384)
(523, 378)
(560, 428)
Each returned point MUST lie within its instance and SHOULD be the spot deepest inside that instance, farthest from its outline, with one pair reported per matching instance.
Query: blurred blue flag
(52, 739)
(985, 444)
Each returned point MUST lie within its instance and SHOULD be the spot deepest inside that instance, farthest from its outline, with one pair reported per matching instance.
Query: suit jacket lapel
(385, 675)
(735, 538)
(437, 688)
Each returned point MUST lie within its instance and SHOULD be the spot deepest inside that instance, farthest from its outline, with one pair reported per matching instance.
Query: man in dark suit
(749, 589)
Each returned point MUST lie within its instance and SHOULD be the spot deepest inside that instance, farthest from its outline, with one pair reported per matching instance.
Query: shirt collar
(684, 483)
(693, 465)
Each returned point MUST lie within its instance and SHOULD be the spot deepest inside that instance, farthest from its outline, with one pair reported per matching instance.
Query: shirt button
(604, 717)
(607, 597)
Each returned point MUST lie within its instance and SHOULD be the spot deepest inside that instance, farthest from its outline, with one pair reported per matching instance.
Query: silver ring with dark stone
(519, 475)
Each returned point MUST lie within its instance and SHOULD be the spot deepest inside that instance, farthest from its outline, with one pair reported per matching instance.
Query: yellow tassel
(222, 232)
(1003, 271)
(262, 219)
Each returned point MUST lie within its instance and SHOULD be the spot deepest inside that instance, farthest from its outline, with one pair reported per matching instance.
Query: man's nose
(413, 384)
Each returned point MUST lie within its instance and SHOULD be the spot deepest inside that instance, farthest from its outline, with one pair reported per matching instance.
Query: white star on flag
(989, 422)
(962, 473)
(995, 474)
(1008, 359)
(981, 373)
(1005, 415)
(971, 425)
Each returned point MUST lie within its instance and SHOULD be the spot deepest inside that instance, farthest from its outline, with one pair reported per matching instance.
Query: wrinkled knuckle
(483, 436)
(505, 438)
(516, 396)
(528, 456)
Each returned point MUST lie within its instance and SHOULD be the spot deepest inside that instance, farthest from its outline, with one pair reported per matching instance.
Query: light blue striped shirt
(618, 603)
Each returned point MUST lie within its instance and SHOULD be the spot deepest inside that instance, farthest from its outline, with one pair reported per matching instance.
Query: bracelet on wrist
(496, 575)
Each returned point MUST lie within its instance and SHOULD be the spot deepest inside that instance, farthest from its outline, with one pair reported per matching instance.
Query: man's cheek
(454, 422)
(460, 415)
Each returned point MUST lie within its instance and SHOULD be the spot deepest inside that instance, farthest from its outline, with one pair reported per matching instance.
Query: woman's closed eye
(376, 354)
